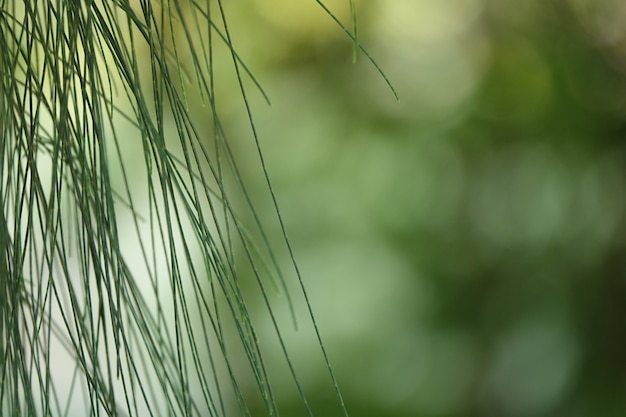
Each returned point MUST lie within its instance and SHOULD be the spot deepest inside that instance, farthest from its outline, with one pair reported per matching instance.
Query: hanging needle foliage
(120, 269)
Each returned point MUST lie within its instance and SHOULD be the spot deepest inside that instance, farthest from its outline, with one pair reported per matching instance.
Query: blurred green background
(464, 248)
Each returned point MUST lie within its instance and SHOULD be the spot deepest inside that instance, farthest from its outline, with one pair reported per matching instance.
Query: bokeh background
(464, 248)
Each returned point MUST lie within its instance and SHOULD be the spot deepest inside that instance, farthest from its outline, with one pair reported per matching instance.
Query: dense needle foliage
(119, 293)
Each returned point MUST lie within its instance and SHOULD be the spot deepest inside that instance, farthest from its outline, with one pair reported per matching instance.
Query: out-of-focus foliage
(465, 247)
